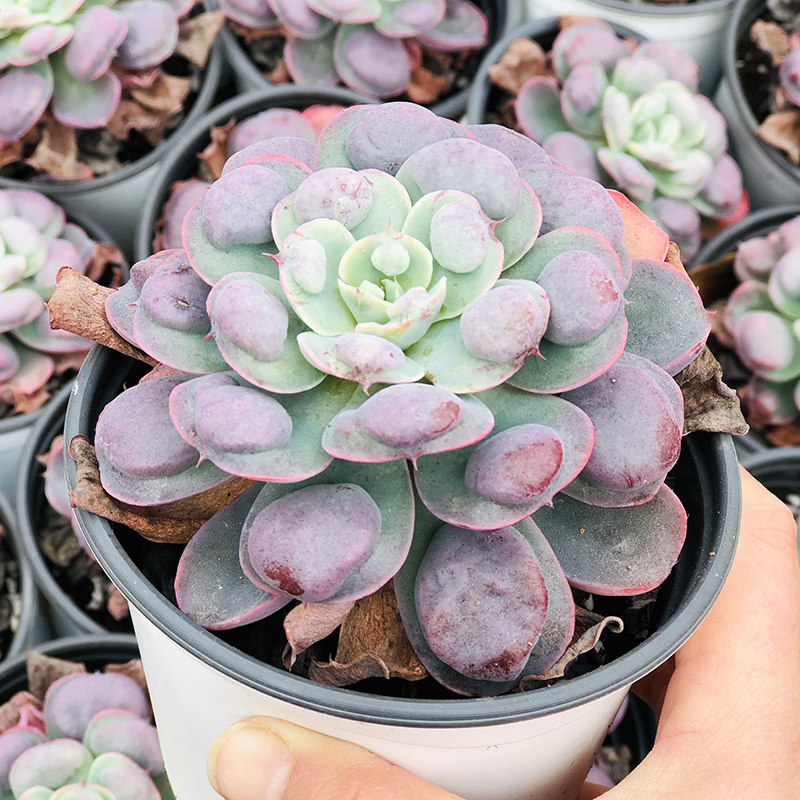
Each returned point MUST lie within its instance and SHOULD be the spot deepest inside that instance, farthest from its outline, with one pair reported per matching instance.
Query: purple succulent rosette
(762, 316)
(59, 55)
(91, 741)
(369, 45)
(35, 242)
(424, 347)
(631, 118)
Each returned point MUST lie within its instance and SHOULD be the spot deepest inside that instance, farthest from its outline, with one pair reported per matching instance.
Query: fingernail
(253, 764)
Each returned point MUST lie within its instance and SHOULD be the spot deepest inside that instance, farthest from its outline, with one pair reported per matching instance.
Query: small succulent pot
(698, 28)
(75, 591)
(181, 163)
(556, 80)
(477, 748)
(502, 17)
(16, 425)
(769, 177)
(114, 199)
(713, 273)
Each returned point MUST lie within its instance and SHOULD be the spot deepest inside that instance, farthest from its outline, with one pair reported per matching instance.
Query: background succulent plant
(58, 55)
(434, 294)
(631, 118)
(35, 242)
(369, 45)
(762, 319)
(91, 741)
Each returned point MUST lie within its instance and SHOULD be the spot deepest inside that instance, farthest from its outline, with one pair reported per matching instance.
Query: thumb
(264, 758)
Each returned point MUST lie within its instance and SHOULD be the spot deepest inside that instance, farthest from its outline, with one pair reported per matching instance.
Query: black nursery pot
(484, 94)
(67, 617)
(503, 17)
(769, 177)
(181, 162)
(480, 748)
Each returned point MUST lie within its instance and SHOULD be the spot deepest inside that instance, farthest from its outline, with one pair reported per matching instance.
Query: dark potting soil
(757, 74)
(10, 594)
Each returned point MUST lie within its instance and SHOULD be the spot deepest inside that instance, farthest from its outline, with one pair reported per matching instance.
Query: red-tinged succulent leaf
(481, 601)
(120, 306)
(13, 743)
(143, 459)
(536, 174)
(359, 357)
(26, 93)
(211, 262)
(563, 368)
(55, 484)
(274, 123)
(248, 445)
(518, 232)
(466, 166)
(38, 335)
(9, 360)
(574, 153)
(114, 775)
(299, 149)
(72, 701)
(643, 238)
(320, 548)
(83, 104)
(538, 108)
(332, 140)
(483, 349)
(183, 196)
(750, 295)
(632, 452)
(308, 623)
(767, 344)
(256, 332)
(369, 62)
(19, 306)
(559, 625)
(300, 20)
(60, 253)
(385, 136)
(463, 26)
(405, 421)
(522, 150)
(667, 322)
(407, 17)
(53, 763)
(441, 478)
(572, 200)
(118, 731)
(34, 371)
(615, 551)
(152, 34)
(97, 34)
(171, 323)
(210, 587)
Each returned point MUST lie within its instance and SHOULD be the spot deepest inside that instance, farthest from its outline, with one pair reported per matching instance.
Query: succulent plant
(59, 55)
(763, 318)
(35, 242)
(371, 46)
(789, 74)
(434, 294)
(631, 118)
(92, 741)
(273, 123)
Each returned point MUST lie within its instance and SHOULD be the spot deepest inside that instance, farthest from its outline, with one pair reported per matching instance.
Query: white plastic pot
(696, 28)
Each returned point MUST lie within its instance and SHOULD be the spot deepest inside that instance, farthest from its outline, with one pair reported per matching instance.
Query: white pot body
(698, 33)
(545, 758)
(765, 174)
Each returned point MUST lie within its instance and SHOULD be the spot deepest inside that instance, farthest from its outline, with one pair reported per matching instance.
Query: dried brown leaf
(116, 604)
(372, 643)
(135, 671)
(715, 280)
(568, 20)
(588, 629)
(164, 98)
(173, 522)
(10, 710)
(782, 131)
(309, 623)
(43, 671)
(772, 39)
(160, 371)
(523, 60)
(68, 362)
(196, 35)
(784, 435)
(11, 153)
(216, 153)
(130, 116)
(250, 34)
(425, 87)
(78, 306)
(106, 257)
(57, 153)
(280, 74)
(25, 403)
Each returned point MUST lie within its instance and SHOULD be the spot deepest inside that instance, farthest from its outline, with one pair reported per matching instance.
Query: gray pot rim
(212, 75)
(656, 9)
(29, 473)
(535, 29)
(453, 107)
(194, 137)
(725, 495)
(757, 223)
(742, 15)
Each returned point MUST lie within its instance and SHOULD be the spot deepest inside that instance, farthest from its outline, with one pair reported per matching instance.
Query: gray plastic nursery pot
(769, 177)
(543, 30)
(503, 15)
(181, 162)
(536, 745)
(697, 28)
(722, 283)
(115, 200)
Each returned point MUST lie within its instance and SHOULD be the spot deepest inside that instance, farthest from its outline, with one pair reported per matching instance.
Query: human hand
(727, 701)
